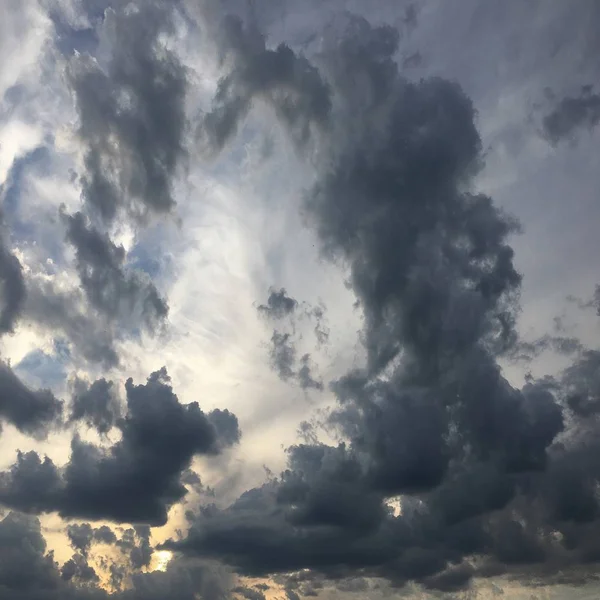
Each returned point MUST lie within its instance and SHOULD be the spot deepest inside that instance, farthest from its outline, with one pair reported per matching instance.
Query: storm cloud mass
(413, 406)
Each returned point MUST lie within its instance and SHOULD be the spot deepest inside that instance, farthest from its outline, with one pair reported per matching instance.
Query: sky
(299, 299)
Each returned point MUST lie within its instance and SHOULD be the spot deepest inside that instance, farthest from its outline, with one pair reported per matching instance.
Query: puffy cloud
(137, 479)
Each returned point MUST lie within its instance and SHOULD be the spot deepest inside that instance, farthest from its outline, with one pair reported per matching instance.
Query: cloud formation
(279, 305)
(97, 404)
(284, 80)
(132, 113)
(137, 479)
(126, 297)
(33, 412)
(571, 114)
(475, 462)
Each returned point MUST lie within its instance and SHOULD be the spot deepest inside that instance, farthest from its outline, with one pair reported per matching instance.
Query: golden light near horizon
(161, 560)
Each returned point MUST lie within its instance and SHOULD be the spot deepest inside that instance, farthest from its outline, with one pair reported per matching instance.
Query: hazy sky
(299, 299)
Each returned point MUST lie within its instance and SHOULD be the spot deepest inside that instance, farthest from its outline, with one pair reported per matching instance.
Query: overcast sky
(299, 299)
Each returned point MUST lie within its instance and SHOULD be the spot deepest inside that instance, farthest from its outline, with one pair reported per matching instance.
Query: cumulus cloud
(137, 479)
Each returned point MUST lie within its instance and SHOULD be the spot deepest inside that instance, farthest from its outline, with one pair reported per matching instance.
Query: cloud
(126, 297)
(480, 467)
(97, 404)
(279, 305)
(282, 351)
(61, 311)
(33, 412)
(29, 572)
(131, 113)
(282, 354)
(289, 83)
(305, 377)
(571, 114)
(12, 289)
(77, 569)
(25, 569)
(137, 479)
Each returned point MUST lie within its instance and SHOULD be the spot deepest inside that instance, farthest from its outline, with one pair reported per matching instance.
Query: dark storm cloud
(109, 288)
(132, 115)
(286, 81)
(279, 305)
(571, 114)
(484, 469)
(33, 412)
(97, 404)
(137, 479)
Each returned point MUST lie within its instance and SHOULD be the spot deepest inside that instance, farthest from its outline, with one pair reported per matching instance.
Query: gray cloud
(126, 297)
(286, 81)
(136, 480)
(571, 114)
(282, 355)
(81, 537)
(483, 469)
(29, 572)
(32, 412)
(26, 571)
(282, 351)
(305, 377)
(64, 312)
(97, 404)
(279, 305)
(12, 289)
(132, 115)
(77, 569)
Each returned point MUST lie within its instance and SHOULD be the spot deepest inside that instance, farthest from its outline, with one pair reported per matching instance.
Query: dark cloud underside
(136, 480)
